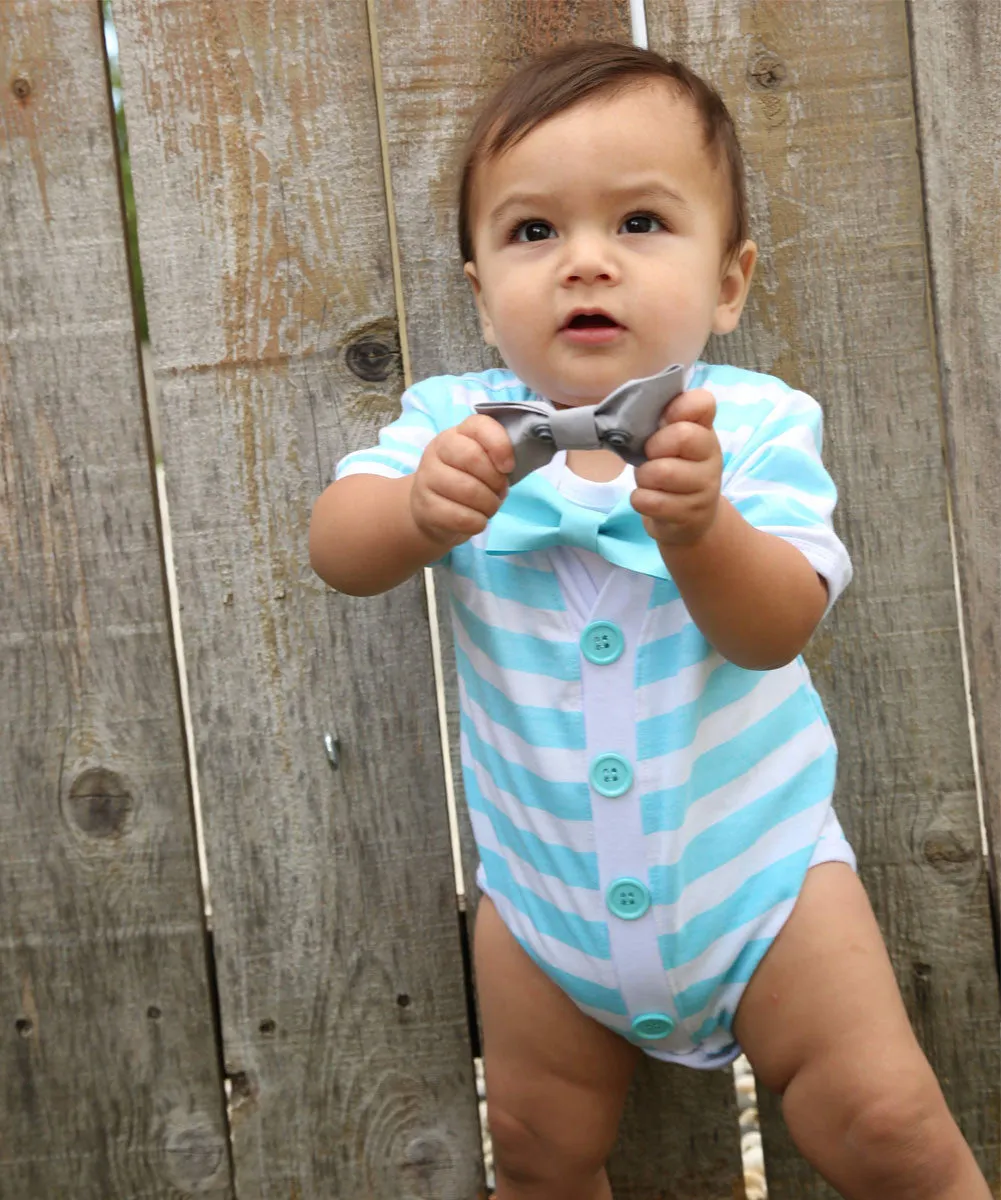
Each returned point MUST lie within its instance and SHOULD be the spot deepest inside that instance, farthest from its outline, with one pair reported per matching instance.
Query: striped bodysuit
(645, 811)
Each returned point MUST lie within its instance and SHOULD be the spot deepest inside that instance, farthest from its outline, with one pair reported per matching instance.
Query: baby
(647, 765)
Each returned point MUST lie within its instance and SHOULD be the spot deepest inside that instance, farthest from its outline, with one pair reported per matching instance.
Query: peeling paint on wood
(957, 66)
(265, 248)
(100, 905)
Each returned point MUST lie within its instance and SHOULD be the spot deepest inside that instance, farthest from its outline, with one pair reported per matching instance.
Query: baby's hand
(677, 489)
(461, 480)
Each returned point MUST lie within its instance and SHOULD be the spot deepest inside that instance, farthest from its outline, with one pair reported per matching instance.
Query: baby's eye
(531, 231)
(642, 223)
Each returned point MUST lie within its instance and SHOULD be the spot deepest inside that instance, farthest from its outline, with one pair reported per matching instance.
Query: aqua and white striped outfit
(645, 810)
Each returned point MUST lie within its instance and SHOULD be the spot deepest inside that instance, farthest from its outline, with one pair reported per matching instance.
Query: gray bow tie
(621, 422)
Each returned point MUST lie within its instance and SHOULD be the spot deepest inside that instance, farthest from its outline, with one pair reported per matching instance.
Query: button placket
(609, 694)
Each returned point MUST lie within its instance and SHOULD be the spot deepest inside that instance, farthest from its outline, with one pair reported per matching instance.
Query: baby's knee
(889, 1130)
(905, 1132)
(526, 1154)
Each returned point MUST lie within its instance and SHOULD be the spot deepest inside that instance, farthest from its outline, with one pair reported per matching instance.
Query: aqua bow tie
(622, 422)
(536, 517)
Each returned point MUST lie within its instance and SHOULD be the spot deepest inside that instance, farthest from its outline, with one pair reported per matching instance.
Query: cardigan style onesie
(645, 811)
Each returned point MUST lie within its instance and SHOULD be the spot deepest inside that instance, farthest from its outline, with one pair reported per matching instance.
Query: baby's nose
(590, 259)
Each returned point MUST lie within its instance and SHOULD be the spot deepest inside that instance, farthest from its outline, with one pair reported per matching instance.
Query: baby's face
(614, 205)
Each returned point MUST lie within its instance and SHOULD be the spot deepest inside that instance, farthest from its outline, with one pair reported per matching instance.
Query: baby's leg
(823, 1025)
(556, 1080)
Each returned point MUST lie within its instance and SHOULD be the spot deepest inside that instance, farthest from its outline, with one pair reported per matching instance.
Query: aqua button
(627, 898)
(652, 1026)
(611, 775)
(602, 642)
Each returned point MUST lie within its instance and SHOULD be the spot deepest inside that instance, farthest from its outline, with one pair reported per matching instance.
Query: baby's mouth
(592, 320)
(591, 328)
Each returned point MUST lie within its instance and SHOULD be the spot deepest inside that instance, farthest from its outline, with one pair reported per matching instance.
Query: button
(652, 1026)
(611, 775)
(628, 898)
(602, 642)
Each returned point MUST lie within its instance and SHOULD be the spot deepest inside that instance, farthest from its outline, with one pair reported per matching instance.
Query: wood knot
(372, 359)
(945, 851)
(241, 1087)
(767, 72)
(195, 1152)
(99, 803)
(422, 1151)
(427, 1158)
(20, 85)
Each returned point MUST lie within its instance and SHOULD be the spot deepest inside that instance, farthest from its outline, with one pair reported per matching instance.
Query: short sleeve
(778, 483)
(400, 444)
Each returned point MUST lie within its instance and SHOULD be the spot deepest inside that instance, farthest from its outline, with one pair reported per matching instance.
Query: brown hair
(553, 82)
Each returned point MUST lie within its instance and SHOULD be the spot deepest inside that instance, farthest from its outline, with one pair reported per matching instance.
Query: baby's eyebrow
(631, 191)
(517, 200)
(654, 190)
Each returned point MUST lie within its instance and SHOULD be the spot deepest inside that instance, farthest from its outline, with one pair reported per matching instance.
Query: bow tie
(535, 516)
(622, 422)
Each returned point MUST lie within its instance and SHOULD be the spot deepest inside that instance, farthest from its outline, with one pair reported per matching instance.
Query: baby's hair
(553, 82)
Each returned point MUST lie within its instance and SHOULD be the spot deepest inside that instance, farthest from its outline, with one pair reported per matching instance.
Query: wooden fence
(292, 162)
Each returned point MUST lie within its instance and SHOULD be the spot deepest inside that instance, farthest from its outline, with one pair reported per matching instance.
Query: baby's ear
(486, 325)
(733, 289)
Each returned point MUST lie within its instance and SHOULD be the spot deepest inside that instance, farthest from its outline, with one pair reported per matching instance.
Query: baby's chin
(564, 401)
(564, 393)
(588, 380)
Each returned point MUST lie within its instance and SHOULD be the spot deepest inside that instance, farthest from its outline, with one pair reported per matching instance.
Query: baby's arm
(756, 598)
(368, 533)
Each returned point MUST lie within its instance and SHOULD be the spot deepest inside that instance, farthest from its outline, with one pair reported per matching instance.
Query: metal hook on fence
(332, 746)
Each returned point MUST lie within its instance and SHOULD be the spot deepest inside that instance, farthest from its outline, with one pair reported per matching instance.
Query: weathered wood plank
(265, 250)
(109, 1075)
(956, 48)
(821, 92)
(439, 62)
